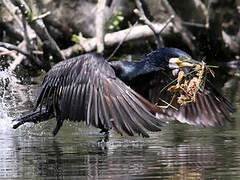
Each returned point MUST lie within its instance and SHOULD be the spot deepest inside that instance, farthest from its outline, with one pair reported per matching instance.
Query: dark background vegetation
(48, 31)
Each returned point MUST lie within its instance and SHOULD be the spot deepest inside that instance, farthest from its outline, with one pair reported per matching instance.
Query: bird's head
(175, 59)
(163, 59)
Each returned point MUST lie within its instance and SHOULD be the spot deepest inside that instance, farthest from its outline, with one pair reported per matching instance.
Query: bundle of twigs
(187, 85)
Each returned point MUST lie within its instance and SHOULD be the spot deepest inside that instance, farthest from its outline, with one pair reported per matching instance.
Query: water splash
(7, 79)
(17, 98)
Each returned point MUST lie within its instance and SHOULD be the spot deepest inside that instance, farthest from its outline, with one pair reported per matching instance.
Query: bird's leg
(106, 134)
(59, 121)
(105, 138)
(57, 128)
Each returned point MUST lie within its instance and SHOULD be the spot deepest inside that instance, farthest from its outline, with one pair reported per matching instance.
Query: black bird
(158, 69)
(85, 88)
(107, 95)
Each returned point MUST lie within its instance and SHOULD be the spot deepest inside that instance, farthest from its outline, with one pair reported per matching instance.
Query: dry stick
(198, 5)
(99, 23)
(137, 32)
(166, 23)
(41, 16)
(15, 48)
(17, 58)
(140, 12)
(5, 51)
(40, 29)
(194, 24)
(120, 43)
(29, 45)
(186, 35)
(208, 13)
(16, 62)
(11, 9)
(26, 33)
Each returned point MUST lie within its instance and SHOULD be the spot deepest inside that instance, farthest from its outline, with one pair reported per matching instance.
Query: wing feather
(73, 105)
(89, 104)
(77, 115)
(103, 110)
(124, 126)
(209, 109)
(86, 89)
(132, 120)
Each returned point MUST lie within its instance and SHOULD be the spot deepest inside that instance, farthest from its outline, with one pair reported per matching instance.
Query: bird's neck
(130, 70)
(127, 71)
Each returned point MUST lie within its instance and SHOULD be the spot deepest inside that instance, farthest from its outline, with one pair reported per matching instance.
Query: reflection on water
(177, 152)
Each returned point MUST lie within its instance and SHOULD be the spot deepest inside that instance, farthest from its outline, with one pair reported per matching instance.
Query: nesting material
(188, 85)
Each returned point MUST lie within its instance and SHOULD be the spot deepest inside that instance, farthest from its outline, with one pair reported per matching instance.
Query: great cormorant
(107, 95)
(156, 70)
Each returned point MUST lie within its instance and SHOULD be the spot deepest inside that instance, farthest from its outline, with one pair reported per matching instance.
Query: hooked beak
(176, 63)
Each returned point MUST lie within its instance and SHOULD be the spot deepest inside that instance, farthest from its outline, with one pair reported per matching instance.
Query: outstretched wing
(209, 109)
(85, 88)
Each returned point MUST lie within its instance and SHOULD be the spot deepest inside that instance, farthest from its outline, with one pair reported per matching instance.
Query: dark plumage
(85, 88)
(88, 88)
(156, 72)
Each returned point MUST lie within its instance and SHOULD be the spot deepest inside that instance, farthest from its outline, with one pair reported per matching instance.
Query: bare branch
(16, 62)
(41, 16)
(99, 23)
(5, 51)
(140, 12)
(33, 59)
(15, 48)
(39, 28)
(166, 23)
(186, 35)
(120, 43)
(195, 24)
(11, 9)
(23, 28)
(137, 32)
(231, 42)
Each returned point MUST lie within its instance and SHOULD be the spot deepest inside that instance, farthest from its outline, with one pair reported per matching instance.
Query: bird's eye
(181, 58)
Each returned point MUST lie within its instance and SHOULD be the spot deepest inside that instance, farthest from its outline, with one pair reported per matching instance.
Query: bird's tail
(35, 117)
